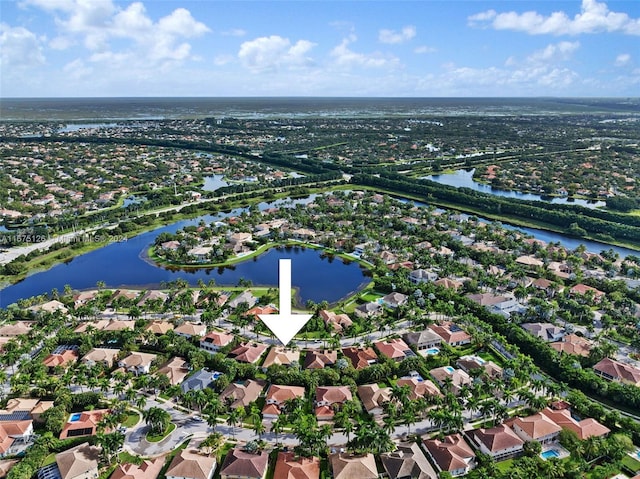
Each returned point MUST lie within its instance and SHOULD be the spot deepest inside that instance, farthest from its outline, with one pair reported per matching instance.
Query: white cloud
(555, 52)
(346, 57)
(424, 49)
(61, 43)
(234, 32)
(594, 17)
(222, 60)
(622, 60)
(393, 37)
(19, 47)
(274, 52)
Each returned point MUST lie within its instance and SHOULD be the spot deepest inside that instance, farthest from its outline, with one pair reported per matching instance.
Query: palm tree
(233, 419)
(157, 419)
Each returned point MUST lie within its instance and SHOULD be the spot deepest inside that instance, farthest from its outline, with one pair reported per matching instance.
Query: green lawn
(160, 437)
(131, 420)
(631, 463)
(505, 466)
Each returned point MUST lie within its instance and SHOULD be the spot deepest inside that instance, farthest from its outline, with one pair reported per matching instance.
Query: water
(549, 454)
(212, 183)
(75, 417)
(432, 351)
(71, 127)
(464, 179)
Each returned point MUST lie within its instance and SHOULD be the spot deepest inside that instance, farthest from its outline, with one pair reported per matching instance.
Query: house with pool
(83, 423)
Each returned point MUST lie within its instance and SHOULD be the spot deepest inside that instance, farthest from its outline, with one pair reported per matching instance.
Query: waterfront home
(241, 394)
(246, 465)
(276, 396)
(447, 376)
(292, 466)
(327, 396)
(537, 427)
(373, 398)
(407, 461)
(154, 296)
(147, 469)
(499, 442)
(395, 349)
(617, 371)
(190, 463)
(103, 356)
(191, 330)
(573, 344)
(423, 340)
(395, 300)
(138, 363)
(248, 352)
(281, 356)
(83, 423)
(451, 454)
(244, 297)
(175, 369)
(451, 333)
(15, 329)
(316, 359)
(360, 357)
(337, 321)
(546, 331)
(368, 310)
(353, 466)
(419, 388)
(49, 307)
(215, 340)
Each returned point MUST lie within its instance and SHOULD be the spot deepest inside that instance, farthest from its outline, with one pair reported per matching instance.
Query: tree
(157, 419)
(110, 444)
(212, 443)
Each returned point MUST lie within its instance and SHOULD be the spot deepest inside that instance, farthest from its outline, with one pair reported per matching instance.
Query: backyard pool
(549, 454)
(432, 351)
(75, 417)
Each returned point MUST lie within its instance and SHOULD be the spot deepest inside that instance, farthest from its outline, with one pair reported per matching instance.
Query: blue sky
(60, 48)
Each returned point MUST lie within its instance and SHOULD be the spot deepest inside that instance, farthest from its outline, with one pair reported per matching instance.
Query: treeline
(575, 220)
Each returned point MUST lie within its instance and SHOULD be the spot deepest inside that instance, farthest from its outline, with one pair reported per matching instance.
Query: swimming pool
(432, 351)
(549, 454)
(449, 369)
(75, 417)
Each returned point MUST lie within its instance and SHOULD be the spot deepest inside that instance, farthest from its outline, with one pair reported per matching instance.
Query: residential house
(215, 340)
(61, 358)
(470, 362)
(282, 356)
(530, 262)
(419, 388)
(191, 330)
(373, 398)
(422, 276)
(545, 331)
(584, 428)
(395, 349)
(119, 325)
(447, 375)
(451, 333)
(160, 328)
(449, 283)
(175, 369)
(190, 463)
(451, 454)
(499, 442)
(244, 297)
(89, 326)
(407, 461)
(276, 396)
(103, 356)
(353, 466)
(368, 310)
(20, 409)
(243, 393)
(83, 423)
(248, 352)
(316, 359)
(395, 300)
(290, 466)
(138, 363)
(147, 469)
(12, 431)
(257, 311)
(573, 344)
(423, 340)
(537, 427)
(504, 305)
(617, 371)
(200, 380)
(246, 465)
(327, 396)
(339, 322)
(581, 290)
(360, 357)
(201, 254)
(154, 296)
(49, 307)
(79, 462)
(15, 329)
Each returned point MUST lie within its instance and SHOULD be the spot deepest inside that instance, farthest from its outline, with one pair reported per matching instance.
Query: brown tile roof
(65, 357)
(450, 454)
(536, 426)
(584, 429)
(242, 394)
(333, 394)
(319, 359)
(87, 420)
(280, 393)
(373, 396)
(217, 338)
(239, 463)
(290, 467)
(351, 466)
(78, 460)
(360, 357)
(189, 463)
(160, 327)
(281, 355)
(619, 371)
(573, 344)
(249, 352)
(392, 348)
(449, 332)
(420, 389)
(408, 461)
(497, 438)
(149, 469)
(176, 370)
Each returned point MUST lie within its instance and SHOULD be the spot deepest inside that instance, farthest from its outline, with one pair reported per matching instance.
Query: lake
(464, 179)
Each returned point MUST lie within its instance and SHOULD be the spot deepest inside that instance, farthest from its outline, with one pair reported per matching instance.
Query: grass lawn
(51, 458)
(631, 463)
(131, 419)
(128, 458)
(505, 466)
(160, 437)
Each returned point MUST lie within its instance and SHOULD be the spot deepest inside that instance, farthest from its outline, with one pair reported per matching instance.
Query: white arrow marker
(285, 325)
